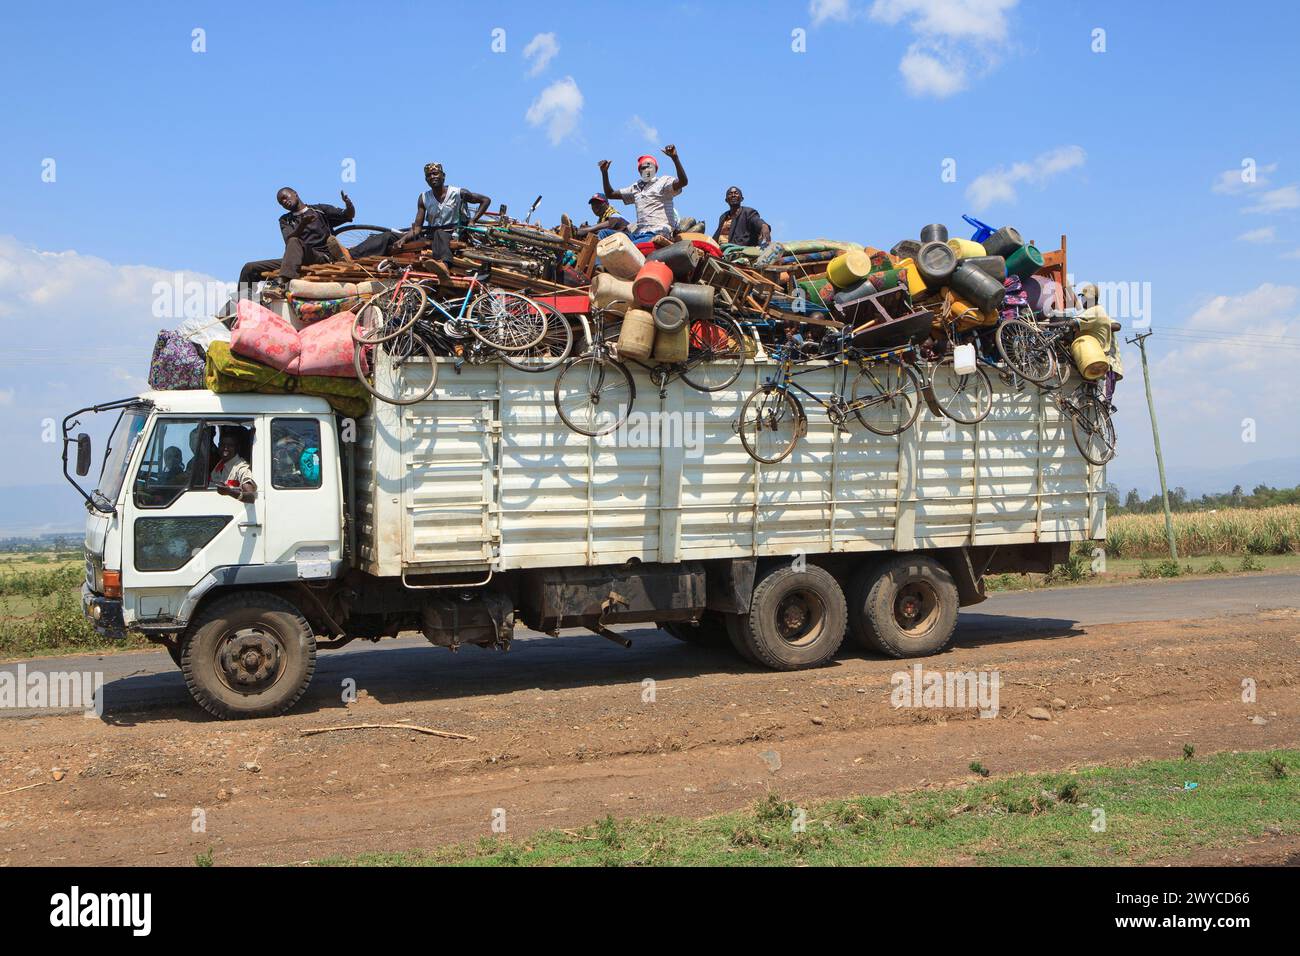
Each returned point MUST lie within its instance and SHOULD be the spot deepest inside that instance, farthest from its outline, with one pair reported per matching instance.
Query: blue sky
(168, 159)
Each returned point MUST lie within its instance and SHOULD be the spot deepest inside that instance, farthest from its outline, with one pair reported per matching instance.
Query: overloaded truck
(476, 511)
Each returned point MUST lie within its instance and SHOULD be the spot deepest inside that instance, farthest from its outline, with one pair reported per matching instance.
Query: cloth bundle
(324, 348)
(226, 372)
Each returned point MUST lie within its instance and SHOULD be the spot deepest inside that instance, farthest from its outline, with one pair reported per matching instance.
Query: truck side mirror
(83, 454)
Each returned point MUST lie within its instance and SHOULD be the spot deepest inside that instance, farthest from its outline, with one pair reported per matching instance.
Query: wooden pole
(1141, 342)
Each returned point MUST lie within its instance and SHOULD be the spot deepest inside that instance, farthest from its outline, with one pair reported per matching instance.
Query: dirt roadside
(710, 741)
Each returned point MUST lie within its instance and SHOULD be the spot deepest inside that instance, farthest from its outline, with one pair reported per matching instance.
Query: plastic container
(977, 287)
(1024, 262)
(674, 345)
(848, 269)
(609, 292)
(637, 337)
(993, 266)
(670, 313)
(935, 232)
(1089, 357)
(982, 229)
(905, 249)
(966, 315)
(1003, 242)
(936, 262)
(966, 249)
(681, 257)
(651, 283)
(1041, 291)
(620, 256)
(915, 284)
(698, 298)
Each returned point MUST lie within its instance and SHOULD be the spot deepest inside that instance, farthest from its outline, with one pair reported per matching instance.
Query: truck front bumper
(104, 614)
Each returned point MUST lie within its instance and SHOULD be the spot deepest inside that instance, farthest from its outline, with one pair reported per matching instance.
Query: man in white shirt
(652, 194)
(231, 475)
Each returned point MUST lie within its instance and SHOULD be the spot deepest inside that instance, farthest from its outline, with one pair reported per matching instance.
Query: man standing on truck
(656, 219)
(306, 231)
(231, 475)
(741, 225)
(440, 212)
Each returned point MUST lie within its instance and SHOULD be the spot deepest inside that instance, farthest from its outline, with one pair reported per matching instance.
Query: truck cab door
(176, 527)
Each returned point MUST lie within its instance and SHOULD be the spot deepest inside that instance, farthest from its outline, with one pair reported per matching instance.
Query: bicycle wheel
(1026, 350)
(967, 399)
(506, 321)
(390, 378)
(715, 354)
(1093, 430)
(551, 351)
(388, 314)
(594, 395)
(771, 423)
(886, 397)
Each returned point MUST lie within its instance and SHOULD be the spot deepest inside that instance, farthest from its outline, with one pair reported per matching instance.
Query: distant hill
(40, 509)
(1208, 480)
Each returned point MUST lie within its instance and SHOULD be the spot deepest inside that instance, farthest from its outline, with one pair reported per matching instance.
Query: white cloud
(823, 11)
(1293, 254)
(1267, 234)
(1229, 182)
(78, 330)
(559, 107)
(647, 132)
(1277, 200)
(999, 185)
(948, 35)
(1210, 372)
(929, 73)
(954, 19)
(540, 51)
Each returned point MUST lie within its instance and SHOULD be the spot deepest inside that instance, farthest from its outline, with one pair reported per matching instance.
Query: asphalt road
(410, 668)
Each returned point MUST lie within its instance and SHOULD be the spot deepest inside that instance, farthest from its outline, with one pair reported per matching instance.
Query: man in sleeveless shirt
(440, 211)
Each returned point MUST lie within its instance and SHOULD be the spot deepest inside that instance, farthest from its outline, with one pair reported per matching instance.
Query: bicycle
(394, 318)
(595, 391)
(1090, 421)
(884, 400)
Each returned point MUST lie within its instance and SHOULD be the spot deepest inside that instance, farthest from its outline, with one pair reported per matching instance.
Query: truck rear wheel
(796, 619)
(709, 631)
(248, 655)
(905, 607)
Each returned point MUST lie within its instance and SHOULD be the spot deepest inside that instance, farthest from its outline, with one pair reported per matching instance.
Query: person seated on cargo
(656, 219)
(231, 475)
(608, 221)
(741, 225)
(307, 230)
(440, 213)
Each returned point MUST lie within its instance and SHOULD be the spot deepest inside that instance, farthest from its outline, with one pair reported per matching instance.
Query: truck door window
(180, 457)
(295, 453)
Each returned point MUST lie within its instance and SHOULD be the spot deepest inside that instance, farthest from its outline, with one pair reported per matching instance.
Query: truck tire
(709, 631)
(737, 628)
(796, 618)
(905, 607)
(248, 655)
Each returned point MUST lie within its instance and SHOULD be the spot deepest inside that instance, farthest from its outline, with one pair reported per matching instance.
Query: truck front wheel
(906, 607)
(796, 619)
(248, 655)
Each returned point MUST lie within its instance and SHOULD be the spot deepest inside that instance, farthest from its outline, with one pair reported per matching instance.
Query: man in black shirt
(741, 225)
(306, 230)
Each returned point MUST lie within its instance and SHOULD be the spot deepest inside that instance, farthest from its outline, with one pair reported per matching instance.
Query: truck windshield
(120, 445)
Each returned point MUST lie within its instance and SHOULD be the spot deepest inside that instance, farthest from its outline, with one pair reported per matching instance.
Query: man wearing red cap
(652, 194)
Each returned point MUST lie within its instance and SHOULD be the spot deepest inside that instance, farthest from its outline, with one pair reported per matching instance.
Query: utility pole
(1141, 342)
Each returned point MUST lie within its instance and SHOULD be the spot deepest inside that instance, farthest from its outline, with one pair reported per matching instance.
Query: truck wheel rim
(251, 659)
(800, 616)
(916, 607)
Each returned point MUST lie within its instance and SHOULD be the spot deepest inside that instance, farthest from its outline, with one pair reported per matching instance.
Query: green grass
(1130, 569)
(40, 608)
(1039, 819)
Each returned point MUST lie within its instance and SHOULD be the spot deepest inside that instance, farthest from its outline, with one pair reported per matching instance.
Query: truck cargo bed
(485, 476)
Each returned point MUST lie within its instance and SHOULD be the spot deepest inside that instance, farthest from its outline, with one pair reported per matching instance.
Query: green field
(1151, 813)
(40, 607)
(1225, 531)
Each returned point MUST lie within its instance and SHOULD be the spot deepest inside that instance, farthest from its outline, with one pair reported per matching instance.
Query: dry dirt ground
(570, 749)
